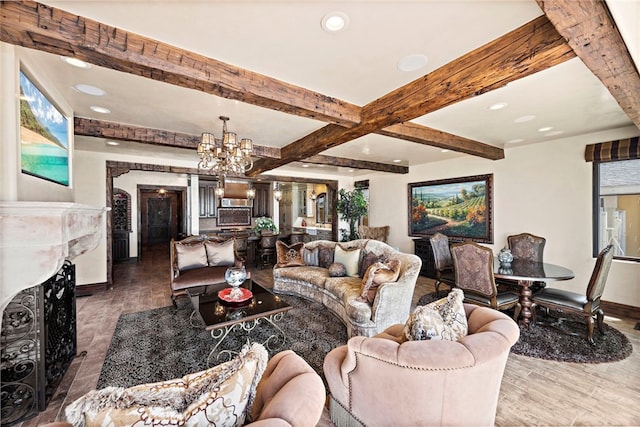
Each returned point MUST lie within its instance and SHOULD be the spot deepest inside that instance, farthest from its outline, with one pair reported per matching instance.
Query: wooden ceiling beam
(427, 136)
(593, 35)
(38, 26)
(533, 47)
(320, 159)
(121, 132)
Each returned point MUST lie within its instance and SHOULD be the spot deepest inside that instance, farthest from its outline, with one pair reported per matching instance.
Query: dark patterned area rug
(544, 341)
(161, 344)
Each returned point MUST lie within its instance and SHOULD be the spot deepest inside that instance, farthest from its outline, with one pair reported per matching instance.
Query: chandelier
(226, 155)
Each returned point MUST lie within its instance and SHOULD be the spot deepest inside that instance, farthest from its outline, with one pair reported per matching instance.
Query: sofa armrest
(290, 390)
(392, 303)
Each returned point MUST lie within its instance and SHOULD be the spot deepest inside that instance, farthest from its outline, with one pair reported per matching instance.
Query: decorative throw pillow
(368, 259)
(310, 256)
(289, 256)
(220, 254)
(444, 319)
(221, 396)
(337, 270)
(376, 275)
(325, 255)
(190, 256)
(349, 257)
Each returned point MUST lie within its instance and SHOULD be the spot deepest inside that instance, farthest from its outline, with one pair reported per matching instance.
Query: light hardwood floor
(534, 392)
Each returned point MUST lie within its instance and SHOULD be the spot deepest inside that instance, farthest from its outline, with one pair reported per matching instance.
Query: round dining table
(524, 273)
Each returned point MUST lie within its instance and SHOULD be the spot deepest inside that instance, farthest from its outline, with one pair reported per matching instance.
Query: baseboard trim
(86, 290)
(620, 310)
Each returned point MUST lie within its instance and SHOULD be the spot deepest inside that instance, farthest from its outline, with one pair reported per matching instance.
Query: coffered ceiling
(310, 89)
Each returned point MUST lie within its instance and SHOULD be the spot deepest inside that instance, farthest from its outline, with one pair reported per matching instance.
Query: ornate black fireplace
(37, 345)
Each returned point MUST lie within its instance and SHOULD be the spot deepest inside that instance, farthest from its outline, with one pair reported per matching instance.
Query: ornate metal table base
(273, 343)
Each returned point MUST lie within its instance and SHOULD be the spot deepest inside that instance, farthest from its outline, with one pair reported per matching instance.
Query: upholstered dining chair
(443, 261)
(586, 305)
(528, 247)
(375, 233)
(473, 264)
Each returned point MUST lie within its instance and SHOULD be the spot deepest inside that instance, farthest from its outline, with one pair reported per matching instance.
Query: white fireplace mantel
(36, 238)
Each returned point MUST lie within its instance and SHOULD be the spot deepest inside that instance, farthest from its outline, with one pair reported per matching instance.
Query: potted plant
(264, 224)
(352, 206)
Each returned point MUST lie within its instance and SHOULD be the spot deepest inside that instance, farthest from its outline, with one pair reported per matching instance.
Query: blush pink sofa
(383, 381)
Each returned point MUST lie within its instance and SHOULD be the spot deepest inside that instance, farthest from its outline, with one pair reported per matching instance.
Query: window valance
(622, 149)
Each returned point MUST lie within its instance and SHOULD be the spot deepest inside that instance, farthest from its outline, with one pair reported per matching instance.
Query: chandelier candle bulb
(226, 154)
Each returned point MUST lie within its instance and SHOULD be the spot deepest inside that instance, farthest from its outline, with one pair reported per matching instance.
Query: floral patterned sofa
(389, 304)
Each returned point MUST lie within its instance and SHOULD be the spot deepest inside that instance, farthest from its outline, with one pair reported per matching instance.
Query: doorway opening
(162, 216)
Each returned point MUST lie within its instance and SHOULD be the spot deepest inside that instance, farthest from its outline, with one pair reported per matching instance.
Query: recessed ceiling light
(554, 133)
(75, 62)
(113, 143)
(545, 129)
(412, 62)
(89, 90)
(515, 141)
(304, 165)
(350, 170)
(334, 21)
(524, 119)
(101, 110)
(497, 106)
(444, 150)
(397, 161)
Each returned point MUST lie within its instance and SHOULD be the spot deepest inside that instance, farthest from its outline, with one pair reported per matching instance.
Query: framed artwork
(44, 135)
(460, 208)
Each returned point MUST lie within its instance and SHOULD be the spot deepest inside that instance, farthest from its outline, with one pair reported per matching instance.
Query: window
(617, 207)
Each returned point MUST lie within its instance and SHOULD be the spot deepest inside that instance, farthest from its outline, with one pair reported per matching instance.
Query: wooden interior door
(158, 220)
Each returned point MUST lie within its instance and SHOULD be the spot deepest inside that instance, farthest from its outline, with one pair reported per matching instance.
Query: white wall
(544, 189)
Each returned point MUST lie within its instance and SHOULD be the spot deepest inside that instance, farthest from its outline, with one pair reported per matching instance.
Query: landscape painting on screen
(460, 208)
(44, 135)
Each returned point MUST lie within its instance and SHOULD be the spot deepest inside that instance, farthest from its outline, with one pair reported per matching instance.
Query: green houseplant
(264, 224)
(352, 206)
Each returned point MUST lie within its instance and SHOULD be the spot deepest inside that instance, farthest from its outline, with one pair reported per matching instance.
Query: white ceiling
(284, 40)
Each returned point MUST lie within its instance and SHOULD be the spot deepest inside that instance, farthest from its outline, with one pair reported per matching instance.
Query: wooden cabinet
(422, 248)
(261, 205)
(207, 199)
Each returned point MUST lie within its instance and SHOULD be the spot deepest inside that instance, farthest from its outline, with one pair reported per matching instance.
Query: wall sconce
(251, 192)
(277, 193)
(219, 190)
(313, 195)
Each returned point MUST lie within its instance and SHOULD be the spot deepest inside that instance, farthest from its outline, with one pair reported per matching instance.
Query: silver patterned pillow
(444, 319)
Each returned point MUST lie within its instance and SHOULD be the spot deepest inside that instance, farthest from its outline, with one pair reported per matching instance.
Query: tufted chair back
(386, 381)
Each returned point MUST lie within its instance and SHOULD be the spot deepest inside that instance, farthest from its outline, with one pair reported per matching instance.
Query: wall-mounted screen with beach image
(44, 135)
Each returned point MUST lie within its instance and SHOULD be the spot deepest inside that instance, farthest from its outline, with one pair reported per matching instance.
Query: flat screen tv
(44, 135)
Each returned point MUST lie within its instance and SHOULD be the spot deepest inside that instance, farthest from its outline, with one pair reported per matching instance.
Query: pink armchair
(384, 381)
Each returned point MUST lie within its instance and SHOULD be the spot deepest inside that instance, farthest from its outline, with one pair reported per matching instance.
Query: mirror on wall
(323, 209)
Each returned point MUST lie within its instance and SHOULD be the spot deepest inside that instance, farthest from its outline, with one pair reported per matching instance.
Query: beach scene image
(44, 136)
